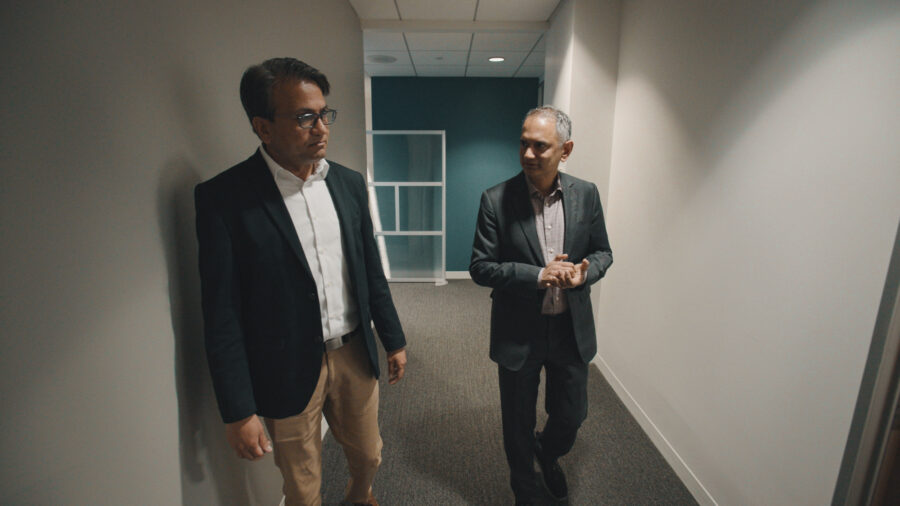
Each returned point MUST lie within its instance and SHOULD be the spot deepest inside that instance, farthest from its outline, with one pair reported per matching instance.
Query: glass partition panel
(384, 197)
(407, 172)
(420, 208)
(415, 257)
(407, 158)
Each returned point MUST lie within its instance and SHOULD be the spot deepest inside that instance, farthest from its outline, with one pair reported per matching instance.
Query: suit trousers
(347, 394)
(554, 350)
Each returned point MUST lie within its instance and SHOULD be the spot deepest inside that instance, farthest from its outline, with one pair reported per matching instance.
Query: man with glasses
(291, 284)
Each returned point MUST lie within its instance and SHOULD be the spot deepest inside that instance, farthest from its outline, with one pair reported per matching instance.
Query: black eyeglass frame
(327, 116)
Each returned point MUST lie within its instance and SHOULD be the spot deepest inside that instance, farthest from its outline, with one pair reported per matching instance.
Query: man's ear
(567, 149)
(263, 128)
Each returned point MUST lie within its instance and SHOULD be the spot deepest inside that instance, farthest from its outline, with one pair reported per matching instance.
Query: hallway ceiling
(441, 38)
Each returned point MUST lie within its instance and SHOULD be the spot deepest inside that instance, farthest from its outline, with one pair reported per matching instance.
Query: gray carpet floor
(441, 423)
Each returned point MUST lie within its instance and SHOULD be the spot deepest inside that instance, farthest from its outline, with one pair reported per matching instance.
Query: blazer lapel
(570, 208)
(525, 213)
(261, 180)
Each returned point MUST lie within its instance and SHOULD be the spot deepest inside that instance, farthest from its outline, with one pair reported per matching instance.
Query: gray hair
(563, 122)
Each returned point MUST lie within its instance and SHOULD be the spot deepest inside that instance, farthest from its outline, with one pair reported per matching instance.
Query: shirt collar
(283, 175)
(535, 193)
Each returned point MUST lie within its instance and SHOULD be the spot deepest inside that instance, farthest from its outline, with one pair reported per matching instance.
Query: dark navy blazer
(261, 311)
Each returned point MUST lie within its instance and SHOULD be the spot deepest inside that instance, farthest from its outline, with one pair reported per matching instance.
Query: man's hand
(248, 438)
(396, 365)
(558, 272)
(579, 276)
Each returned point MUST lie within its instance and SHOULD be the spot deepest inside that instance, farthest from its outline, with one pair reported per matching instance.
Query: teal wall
(482, 117)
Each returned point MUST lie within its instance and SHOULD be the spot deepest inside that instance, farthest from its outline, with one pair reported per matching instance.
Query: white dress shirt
(316, 222)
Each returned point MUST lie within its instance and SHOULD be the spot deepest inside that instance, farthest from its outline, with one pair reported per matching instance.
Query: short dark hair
(258, 81)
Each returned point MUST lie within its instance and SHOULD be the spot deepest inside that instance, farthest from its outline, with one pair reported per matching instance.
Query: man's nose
(319, 126)
(529, 153)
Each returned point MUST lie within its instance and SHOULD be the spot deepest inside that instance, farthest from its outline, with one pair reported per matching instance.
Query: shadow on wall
(210, 471)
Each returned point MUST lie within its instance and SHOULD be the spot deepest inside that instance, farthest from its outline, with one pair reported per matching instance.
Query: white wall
(558, 58)
(580, 78)
(112, 112)
(752, 210)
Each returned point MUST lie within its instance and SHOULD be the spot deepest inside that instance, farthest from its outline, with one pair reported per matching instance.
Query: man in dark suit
(540, 242)
(291, 283)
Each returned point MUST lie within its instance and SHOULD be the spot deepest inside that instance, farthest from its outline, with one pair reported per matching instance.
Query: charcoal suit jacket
(261, 312)
(506, 256)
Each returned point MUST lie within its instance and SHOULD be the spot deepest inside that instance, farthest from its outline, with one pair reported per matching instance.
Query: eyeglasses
(308, 120)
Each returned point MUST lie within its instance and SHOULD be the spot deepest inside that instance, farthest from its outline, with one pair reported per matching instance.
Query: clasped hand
(563, 274)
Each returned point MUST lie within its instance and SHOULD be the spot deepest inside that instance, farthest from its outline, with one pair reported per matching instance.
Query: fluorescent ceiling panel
(439, 57)
(386, 41)
(438, 41)
(504, 41)
(456, 10)
(374, 9)
(515, 10)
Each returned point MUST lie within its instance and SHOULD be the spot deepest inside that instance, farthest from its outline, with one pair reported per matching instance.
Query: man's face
(539, 149)
(288, 144)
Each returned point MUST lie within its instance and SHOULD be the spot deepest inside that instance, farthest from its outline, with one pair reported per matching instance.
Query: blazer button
(311, 295)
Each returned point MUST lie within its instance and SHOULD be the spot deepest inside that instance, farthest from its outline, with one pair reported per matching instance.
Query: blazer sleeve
(220, 300)
(487, 266)
(381, 305)
(600, 253)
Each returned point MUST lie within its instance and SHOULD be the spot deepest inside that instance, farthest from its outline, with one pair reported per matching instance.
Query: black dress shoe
(552, 475)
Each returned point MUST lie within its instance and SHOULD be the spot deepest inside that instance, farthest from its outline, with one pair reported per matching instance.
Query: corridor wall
(113, 111)
(752, 209)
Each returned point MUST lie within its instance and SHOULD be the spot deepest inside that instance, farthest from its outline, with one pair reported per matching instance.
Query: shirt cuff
(540, 275)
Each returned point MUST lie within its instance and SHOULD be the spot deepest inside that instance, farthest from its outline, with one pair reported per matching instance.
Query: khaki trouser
(347, 393)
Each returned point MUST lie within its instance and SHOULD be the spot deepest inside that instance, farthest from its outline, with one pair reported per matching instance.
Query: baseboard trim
(458, 275)
(684, 472)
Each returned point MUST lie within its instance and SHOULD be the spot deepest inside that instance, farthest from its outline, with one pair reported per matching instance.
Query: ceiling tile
(511, 41)
(438, 41)
(441, 70)
(489, 71)
(456, 10)
(386, 41)
(375, 9)
(530, 71)
(515, 10)
(402, 57)
(513, 58)
(439, 57)
(535, 59)
(390, 70)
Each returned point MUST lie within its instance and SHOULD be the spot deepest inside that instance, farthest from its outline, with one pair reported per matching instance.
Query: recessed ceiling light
(496, 59)
(381, 58)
